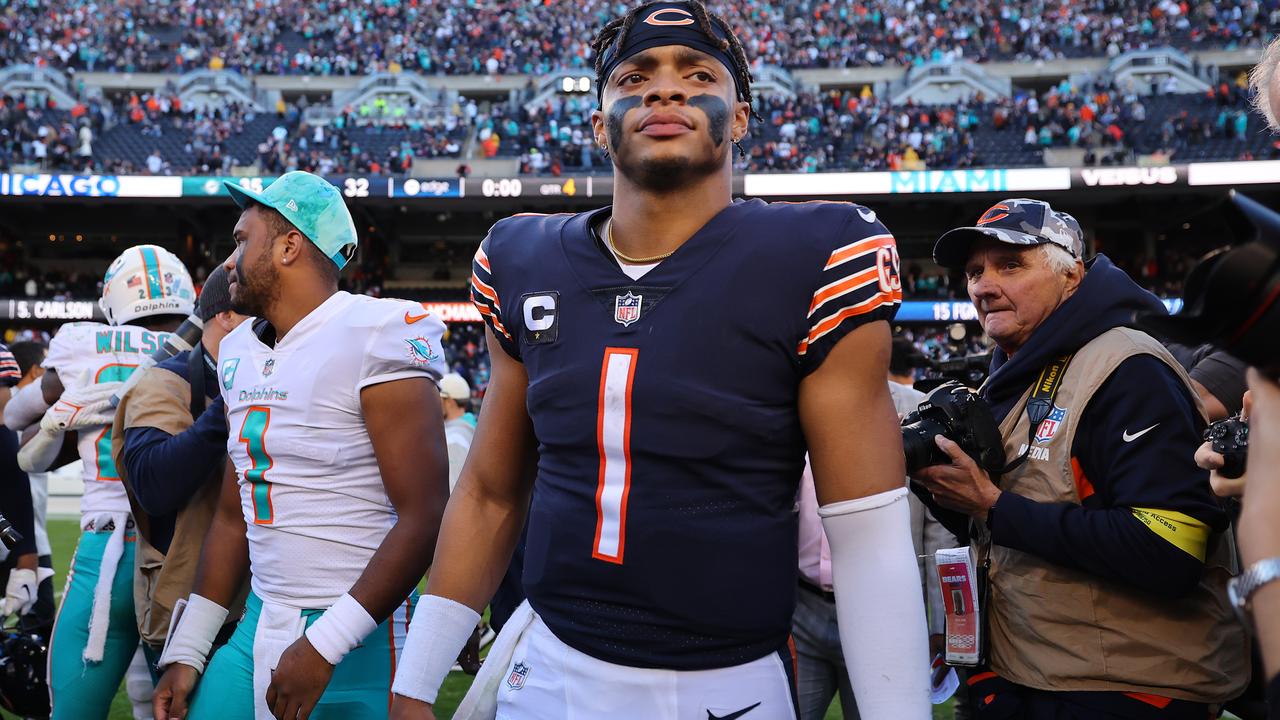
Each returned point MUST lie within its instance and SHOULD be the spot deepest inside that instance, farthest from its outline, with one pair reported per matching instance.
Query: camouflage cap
(1017, 221)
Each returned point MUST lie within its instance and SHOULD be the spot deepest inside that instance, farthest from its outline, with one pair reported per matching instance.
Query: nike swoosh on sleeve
(411, 319)
(868, 215)
(1130, 438)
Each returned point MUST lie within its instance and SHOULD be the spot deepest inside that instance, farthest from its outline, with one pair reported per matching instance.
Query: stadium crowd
(347, 37)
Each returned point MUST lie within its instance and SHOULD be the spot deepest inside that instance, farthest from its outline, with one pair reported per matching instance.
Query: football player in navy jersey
(659, 369)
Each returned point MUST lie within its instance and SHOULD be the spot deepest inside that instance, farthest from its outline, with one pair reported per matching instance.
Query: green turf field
(63, 534)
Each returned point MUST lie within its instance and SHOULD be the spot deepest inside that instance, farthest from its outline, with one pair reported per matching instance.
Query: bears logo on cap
(994, 213)
(655, 18)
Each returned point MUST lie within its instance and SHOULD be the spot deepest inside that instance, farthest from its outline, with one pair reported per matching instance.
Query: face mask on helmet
(146, 280)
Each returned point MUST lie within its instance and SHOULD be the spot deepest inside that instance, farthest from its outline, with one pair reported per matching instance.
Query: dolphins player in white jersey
(146, 293)
(340, 478)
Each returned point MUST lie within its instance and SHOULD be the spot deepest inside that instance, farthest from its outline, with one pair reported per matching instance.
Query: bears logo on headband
(685, 17)
(671, 23)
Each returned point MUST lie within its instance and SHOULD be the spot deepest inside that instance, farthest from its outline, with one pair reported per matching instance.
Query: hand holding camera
(953, 448)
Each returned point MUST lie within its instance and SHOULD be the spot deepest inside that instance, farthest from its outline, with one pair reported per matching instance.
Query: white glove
(89, 406)
(20, 593)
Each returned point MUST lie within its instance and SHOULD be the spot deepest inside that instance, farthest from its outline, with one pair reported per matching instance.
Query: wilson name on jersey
(92, 353)
(662, 530)
(310, 488)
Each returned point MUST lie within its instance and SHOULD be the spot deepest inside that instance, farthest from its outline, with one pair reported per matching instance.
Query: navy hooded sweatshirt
(1154, 470)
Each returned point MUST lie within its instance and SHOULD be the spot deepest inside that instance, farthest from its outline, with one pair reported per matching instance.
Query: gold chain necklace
(628, 258)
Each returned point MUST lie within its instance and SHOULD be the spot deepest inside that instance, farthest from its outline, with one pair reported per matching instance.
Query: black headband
(667, 24)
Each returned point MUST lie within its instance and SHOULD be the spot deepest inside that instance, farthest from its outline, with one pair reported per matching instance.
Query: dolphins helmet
(146, 280)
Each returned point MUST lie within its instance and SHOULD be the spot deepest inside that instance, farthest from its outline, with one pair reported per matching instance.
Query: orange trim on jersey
(1084, 488)
(853, 250)
(484, 289)
(831, 322)
(1157, 701)
(97, 460)
(626, 454)
(97, 378)
(483, 260)
(253, 497)
(842, 287)
(497, 324)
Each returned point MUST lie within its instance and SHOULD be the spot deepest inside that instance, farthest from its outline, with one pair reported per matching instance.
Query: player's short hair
(617, 30)
(1261, 78)
(28, 353)
(278, 225)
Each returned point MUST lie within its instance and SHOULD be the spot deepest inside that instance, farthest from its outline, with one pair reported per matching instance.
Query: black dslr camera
(1233, 295)
(957, 413)
(1230, 439)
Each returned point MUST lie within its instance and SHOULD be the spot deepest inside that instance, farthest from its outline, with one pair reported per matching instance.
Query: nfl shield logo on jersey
(519, 672)
(1049, 426)
(268, 367)
(626, 309)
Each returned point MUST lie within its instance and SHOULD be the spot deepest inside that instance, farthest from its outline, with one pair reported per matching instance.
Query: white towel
(481, 702)
(278, 627)
(100, 617)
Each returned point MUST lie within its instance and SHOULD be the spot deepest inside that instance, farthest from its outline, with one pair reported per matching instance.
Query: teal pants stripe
(83, 690)
(359, 690)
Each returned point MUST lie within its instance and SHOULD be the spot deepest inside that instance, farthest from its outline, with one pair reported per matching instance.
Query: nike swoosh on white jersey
(868, 215)
(1130, 438)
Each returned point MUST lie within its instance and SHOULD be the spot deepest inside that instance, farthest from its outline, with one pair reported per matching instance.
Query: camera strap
(1040, 403)
(196, 363)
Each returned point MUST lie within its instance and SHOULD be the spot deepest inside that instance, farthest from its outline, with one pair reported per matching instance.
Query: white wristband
(192, 629)
(340, 629)
(438, 632)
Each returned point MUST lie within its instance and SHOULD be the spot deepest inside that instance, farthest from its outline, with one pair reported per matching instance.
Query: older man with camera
(1105, 550)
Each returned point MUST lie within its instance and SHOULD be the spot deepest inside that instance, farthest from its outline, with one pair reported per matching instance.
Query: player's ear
(598, 128)
(292, 247)
(741, 121)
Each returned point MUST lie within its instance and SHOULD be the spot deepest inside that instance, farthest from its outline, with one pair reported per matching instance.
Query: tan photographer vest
(1058, 628)
(161, 400)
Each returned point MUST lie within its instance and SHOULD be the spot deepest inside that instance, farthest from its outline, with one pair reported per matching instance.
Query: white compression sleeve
(440, 628)
(40, 451)
(26, 407)
(879, 605)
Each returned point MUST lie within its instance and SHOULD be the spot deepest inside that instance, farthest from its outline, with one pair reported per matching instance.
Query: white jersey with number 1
(93, 353)
(312, 495)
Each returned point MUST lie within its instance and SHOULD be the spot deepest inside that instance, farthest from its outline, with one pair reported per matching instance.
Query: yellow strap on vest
(1178, 529)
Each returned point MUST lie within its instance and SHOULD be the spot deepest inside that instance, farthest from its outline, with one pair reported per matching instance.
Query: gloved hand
(20, 593)
(89, 406)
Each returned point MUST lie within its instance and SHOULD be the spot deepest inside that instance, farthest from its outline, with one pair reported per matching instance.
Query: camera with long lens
(1230, 439)
(1232, 297)
(960, 415)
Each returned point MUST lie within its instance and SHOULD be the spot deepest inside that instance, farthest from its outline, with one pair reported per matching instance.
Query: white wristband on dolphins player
(192, 630)
(440, 629)
(341, 628)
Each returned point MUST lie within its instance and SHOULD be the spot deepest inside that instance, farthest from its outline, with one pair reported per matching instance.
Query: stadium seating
(342, 37)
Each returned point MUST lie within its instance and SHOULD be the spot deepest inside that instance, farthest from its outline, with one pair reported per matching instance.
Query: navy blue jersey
(662, 530)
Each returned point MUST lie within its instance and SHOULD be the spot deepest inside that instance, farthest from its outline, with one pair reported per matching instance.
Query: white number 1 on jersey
(613, 437)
